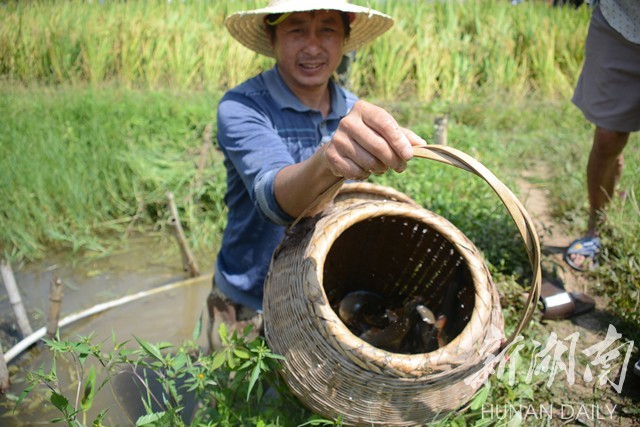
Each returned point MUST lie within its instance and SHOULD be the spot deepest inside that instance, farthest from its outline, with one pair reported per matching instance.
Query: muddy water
(170, 316)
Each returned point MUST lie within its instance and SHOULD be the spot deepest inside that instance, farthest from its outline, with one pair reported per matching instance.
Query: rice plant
(435, 49)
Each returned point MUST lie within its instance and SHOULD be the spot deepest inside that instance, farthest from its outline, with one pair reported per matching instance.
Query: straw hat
(248, 27)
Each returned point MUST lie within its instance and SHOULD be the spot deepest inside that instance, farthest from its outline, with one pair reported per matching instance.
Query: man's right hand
(369, 140)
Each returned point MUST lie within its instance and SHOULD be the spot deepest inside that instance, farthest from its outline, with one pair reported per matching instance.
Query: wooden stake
(14, 297)
(4, 373)
(440, 124)
(189, 263)
(55, 299)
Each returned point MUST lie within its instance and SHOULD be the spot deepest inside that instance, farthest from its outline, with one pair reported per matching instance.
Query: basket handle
(453, 157)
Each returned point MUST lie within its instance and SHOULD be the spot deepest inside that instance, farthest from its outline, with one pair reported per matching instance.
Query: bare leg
(603, 173)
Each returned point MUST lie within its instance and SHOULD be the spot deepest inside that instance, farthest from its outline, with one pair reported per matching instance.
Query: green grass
(80, 163)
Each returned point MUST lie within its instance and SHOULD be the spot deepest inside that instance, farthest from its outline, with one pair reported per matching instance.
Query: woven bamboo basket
(355, 192)
(378, 239)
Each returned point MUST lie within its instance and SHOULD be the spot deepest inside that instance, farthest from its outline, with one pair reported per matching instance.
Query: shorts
(608, 89)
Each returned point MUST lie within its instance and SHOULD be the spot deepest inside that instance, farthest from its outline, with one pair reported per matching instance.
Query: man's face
(308, 48)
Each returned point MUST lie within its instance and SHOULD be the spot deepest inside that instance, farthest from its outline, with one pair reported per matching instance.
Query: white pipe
(37, 335)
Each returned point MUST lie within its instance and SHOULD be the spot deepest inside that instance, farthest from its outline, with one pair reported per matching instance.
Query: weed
(237, 385)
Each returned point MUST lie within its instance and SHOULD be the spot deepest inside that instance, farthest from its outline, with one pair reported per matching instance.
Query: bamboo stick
(440, 124)
(99, 308)
(14, 297)
(189, 263)
(4, 373)
(55, 299)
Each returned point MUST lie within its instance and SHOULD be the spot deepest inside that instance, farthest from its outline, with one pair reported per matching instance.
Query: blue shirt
(263, 127)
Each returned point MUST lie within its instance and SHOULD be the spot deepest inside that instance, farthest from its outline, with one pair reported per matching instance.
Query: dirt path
(597, 400)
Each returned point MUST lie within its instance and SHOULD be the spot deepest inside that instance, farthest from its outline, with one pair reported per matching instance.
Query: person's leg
(604, 169)
(235, 316)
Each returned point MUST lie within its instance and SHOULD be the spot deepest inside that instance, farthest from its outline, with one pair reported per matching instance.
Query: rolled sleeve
(266, 199)
(250, 142)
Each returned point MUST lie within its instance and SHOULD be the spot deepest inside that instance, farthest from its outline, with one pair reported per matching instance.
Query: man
(291, 133)
(608, 93)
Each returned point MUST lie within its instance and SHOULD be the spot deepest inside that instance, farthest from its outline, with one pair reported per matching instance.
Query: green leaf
(275, 356)
(255, 374)
(150, 418)
(197, 331)
(482, 422)
(164, 344)
(98, 421)
(218, 360)
(150, 349)
(24, 394)
(231, 361)
(59, 401)
(241, 353)
(480, 398)
(179, 361)
(89, 390)
(224, 333)
(245, 365)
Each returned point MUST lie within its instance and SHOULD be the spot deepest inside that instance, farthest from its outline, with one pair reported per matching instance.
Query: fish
(440, 335)
(411, 328)
(395, 336)
(361, 310)
(426, 315)
(429, 334)
(389, 338)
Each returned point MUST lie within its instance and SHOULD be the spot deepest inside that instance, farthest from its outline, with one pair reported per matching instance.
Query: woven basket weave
(378, 239)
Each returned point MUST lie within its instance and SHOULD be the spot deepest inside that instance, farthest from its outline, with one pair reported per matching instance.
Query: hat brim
(249, 29)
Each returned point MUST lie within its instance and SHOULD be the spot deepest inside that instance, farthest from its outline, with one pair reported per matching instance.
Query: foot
(235, 316)
(582, 254)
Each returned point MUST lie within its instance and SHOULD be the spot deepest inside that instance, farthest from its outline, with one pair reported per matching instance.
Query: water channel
(143, 264)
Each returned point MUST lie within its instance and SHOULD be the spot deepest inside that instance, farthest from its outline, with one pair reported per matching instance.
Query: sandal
(560, 304)
(587, 247)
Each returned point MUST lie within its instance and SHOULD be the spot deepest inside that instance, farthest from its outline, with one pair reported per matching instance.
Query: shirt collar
(285, 98)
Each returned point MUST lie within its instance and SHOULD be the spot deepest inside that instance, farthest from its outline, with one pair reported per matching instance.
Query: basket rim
(412, 365)
(383, 192)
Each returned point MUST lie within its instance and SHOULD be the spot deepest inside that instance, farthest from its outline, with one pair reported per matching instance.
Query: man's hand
(369, 140)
